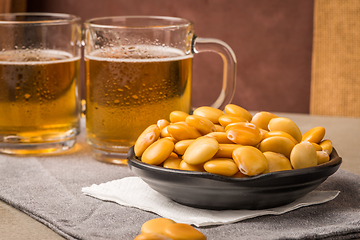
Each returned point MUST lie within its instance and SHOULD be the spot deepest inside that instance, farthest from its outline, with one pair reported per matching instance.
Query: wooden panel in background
(335, 88)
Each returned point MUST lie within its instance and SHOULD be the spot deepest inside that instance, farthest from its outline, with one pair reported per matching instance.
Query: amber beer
(129, 89)
(38, 96)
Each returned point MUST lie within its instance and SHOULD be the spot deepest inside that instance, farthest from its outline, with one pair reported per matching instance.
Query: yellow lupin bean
(226, 150)
(239, 111)
(262, 119)
(181, 123)
(250, 160)
(172, 139)
(317, 146)
(285, 125)
(156, 225)
(178, 116)
(190, 167)
(244, 134)
(280, 134)
(314, 135)
(171, 162)
(277, 162)
(225, 120)
(158, 152)
(263, 133)
(221, 137)
(210, 113)
(221, 166)
(173, 155)
(327, 146)
(151, 236)
(231, 125)
(162, 123)
(164, 132)
(219, 128)
(146, 138)
(323, 157)
(303, 155)
(182, 132)
(201, 150)
(181, 146)
(277, 144)
(182, 231)
(202, 124)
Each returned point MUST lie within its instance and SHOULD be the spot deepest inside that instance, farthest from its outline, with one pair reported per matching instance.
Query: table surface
(343, 132)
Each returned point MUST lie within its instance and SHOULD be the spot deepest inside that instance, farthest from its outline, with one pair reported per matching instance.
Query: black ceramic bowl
(211, 191)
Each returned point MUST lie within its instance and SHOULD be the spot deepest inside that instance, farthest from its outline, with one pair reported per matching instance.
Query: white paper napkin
(134, 192)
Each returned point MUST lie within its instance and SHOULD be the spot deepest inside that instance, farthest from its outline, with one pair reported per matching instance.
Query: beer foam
(19, 57)
(138, 53)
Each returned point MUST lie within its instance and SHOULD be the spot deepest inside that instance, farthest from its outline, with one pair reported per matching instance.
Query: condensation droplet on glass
(27, 96)
(135, 96)
(116, 101)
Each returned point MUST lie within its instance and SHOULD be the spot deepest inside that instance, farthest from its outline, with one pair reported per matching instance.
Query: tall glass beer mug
(138, 70)
(39, 79)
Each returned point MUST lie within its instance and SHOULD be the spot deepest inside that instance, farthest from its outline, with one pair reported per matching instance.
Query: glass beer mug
(39, 79)
(138, 70)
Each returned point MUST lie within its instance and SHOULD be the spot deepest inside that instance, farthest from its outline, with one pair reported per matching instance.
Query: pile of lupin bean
(167, 229)
(231, 142)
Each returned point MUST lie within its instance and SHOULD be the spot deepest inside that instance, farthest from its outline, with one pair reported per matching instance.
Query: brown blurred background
(272, 41)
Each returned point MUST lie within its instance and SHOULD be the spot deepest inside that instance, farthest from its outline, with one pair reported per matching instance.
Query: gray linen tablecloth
(49, 190)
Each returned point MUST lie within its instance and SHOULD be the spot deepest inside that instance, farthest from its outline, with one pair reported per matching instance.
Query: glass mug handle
(229, 71)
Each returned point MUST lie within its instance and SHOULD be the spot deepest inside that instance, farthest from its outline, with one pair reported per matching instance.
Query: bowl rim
(335, 161)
